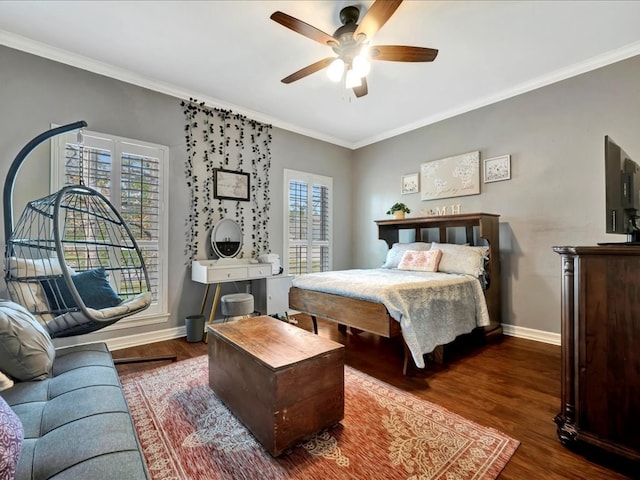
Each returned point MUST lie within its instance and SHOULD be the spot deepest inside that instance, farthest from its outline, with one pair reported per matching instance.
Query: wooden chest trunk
(283, 383)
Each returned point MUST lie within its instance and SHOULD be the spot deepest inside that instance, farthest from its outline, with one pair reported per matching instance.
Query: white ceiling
(231, 55)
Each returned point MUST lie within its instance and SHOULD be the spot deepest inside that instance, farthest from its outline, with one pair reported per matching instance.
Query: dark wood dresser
(600, 396)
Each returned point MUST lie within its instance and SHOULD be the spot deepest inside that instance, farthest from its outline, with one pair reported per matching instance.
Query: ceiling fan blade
(400, 53)
(302, 28)
(376, 17)
(308, 70)
(362, 90)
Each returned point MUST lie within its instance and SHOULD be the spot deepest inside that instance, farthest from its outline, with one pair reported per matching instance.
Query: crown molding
(43, 50)
(588, 65)
(62, 56)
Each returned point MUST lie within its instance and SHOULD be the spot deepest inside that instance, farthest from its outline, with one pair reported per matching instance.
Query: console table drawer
(263, 270)
(224, 274)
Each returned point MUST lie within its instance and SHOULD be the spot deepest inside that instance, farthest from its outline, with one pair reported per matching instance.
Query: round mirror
(226, 238)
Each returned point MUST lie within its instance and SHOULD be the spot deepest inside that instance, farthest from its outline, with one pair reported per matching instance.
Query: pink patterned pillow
(421, 261)
(11, 438)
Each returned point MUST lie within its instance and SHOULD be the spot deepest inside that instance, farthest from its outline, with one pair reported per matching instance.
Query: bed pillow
(92, 285)
(462, 259)
(420, 261)
(26, 350)
(395, 253)
(11, 440)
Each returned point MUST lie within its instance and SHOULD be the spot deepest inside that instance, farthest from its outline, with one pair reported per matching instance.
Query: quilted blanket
(433, 308)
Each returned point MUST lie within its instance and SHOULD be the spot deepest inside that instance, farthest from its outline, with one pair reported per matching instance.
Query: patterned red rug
(187, 433)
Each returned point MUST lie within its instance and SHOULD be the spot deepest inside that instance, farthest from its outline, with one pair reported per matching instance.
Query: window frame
(310, 179)
(158, 311)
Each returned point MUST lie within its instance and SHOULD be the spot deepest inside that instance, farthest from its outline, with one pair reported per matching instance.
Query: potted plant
(398, 210)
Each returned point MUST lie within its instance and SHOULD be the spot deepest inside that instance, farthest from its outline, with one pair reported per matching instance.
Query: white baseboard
(144, 338)
(531, 334)
(179, 332)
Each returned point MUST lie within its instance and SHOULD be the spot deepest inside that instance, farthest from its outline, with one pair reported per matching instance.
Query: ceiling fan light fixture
(361, 65)
(336, 70)
(351, 45)
(352, 80)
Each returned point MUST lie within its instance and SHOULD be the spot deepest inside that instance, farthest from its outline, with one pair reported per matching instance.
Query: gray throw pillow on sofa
(26, 350)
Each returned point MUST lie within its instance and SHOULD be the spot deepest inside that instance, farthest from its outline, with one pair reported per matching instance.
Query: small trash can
(195, 328)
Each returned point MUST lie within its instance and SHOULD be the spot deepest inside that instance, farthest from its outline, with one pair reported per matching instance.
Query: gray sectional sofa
(76, 422)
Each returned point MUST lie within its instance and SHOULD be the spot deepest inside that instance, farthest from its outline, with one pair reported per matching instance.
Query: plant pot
(398, 214)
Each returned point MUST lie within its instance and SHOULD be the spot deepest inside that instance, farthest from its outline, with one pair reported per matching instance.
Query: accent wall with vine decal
(218, 140)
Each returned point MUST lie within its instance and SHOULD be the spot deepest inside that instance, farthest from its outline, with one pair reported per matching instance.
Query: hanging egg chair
(71, 259)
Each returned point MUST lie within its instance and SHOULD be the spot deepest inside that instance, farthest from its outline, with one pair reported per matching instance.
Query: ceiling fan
(350, 43)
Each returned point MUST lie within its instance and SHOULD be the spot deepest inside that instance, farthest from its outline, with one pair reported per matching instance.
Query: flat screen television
(622, 190)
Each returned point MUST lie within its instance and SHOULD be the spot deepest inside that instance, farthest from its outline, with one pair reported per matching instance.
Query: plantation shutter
(130, 175)
(308, 235)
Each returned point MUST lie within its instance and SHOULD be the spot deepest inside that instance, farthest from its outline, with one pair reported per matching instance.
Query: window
(131, 175)
(308, 230)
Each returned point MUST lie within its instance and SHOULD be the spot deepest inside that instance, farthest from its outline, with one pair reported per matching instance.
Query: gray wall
(555, 136)
(35, 92)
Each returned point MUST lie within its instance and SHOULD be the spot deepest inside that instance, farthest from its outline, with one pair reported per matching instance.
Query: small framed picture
(497, 169)
(230, 185)
(410, 183)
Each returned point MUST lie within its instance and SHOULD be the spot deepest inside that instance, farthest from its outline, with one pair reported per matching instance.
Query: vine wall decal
(217, 138)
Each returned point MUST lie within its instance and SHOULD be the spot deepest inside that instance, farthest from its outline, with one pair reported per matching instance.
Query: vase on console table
(398, 214)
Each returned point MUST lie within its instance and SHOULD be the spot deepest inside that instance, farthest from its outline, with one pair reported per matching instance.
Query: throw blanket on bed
(432, 308)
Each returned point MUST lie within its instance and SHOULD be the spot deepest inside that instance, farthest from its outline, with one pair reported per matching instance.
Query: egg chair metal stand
(71, 259)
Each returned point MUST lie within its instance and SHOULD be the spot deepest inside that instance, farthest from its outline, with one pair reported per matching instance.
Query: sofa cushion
(11, 438)
(24, 288)
(81, 402)
(26, 350)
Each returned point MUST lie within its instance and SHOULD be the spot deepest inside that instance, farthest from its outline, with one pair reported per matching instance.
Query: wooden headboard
(487, 229)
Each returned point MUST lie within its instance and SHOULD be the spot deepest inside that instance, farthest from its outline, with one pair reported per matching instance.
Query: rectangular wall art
(410, 183)
(230, 185)
(497, 169)
(451, 177)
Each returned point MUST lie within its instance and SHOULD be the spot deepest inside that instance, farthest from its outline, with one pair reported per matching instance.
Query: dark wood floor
(512, 385)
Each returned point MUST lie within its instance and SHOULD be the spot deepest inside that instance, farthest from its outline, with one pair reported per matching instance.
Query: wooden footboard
(352, 312)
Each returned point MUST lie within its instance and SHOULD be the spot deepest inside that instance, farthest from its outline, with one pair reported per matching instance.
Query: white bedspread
(432, 308)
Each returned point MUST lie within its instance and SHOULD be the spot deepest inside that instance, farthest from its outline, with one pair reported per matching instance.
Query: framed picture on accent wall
(410, 183)
(497, 169)
(450, 177)
(230, 185)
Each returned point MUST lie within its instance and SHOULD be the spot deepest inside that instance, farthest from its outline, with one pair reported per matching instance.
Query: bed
(377, 307)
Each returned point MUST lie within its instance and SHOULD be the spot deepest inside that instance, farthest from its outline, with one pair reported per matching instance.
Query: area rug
(186, 432)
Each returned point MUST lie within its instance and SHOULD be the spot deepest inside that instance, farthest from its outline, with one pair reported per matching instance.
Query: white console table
(222, 271)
